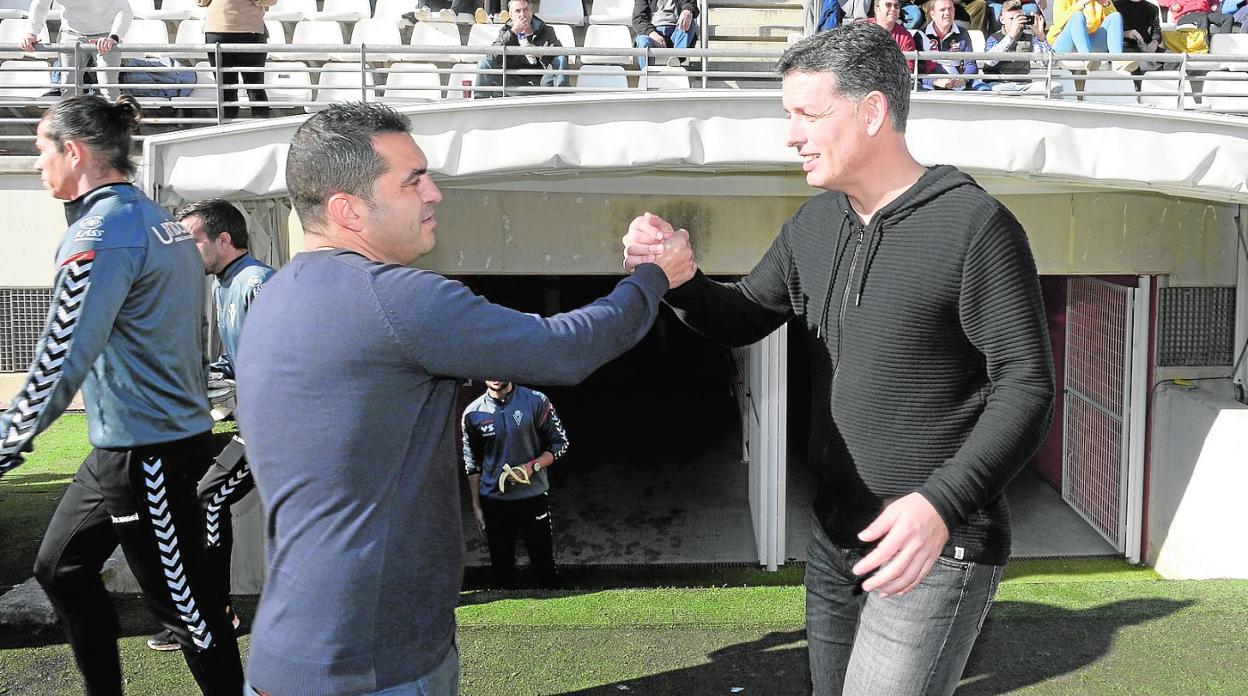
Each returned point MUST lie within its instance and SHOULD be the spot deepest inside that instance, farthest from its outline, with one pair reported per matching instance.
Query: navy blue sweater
(347, 374)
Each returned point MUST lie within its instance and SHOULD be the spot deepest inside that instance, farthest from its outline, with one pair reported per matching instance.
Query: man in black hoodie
(932, 381)
(523, 30)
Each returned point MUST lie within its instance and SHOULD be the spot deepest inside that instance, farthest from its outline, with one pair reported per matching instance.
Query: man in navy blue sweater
(347, 375)
(916, 295)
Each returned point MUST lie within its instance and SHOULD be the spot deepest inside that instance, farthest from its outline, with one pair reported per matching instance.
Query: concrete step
(742, 32)
(746, 15)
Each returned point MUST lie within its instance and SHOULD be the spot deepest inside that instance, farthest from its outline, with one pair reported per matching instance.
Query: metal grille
(1197, 327)
(23, 312)
(1097, 349)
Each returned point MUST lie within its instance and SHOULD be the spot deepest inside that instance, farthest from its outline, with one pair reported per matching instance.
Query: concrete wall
(32, 226)
(1196, 513)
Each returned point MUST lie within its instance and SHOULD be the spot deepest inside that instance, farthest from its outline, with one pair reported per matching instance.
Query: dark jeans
(1210, 22)
(145, 500)
(915, 644)
(227, 482)
(530, 519)
(239, 60)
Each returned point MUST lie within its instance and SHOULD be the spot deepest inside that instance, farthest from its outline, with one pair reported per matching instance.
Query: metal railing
(405, 74)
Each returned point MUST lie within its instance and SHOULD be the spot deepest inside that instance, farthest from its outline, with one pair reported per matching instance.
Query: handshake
(651, 239)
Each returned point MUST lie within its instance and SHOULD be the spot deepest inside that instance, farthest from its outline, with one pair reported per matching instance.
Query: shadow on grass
(133, 617)
(1022, 644)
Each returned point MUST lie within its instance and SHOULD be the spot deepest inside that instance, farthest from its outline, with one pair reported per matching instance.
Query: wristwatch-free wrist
(537, 465)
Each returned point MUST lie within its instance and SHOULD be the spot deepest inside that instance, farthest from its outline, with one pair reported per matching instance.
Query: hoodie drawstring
(873, 245)
(836, 265)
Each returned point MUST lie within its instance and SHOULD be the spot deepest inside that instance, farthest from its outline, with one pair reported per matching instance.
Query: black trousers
(228, 480)
(238, 60)
(143, 499)
(530, 519)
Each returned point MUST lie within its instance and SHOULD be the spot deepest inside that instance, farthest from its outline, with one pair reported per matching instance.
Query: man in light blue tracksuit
(126, 326)
(220, 233)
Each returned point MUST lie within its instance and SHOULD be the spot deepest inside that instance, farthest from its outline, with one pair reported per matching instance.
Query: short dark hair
(332, 152)
(218, 216)
(104, 127)
(862, 58)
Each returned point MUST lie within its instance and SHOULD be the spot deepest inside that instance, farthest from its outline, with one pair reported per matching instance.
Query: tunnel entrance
(654, 471)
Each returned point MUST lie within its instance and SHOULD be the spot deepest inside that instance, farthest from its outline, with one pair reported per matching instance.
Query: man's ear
(874, 111)
(227, 237)
(75, 149)
(346, 210)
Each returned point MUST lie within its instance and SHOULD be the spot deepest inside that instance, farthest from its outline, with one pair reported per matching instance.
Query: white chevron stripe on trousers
(73, 283)
(212, 511)
(170, 556)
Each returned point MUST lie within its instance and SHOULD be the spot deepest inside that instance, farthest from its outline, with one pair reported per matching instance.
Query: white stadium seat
(608, 36)
(412, 83)
(426, 34)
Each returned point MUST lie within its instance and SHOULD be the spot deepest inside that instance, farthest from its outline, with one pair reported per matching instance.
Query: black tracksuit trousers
(228, 480)
(530, 518)
(145, 500)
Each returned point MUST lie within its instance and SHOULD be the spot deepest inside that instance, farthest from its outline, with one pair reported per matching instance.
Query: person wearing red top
(888, 16)
(1204, 14)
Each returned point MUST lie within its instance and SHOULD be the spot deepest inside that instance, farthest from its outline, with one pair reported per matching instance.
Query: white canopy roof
(603, 142)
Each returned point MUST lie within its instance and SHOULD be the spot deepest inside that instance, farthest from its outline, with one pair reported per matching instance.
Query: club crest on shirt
(516, 416)
(93, 222)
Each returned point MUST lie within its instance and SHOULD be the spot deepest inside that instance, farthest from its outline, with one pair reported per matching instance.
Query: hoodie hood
(936, 181)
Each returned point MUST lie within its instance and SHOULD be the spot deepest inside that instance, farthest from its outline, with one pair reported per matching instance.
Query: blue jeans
(1075, 35)
(495, 62)
(442, 681)
(909, 645)
(672, 34)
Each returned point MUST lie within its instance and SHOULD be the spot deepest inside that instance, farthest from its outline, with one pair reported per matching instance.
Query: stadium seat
(563, 32)
(177, 10)
(142, 9)
(148, 31)
(600, 77)
(277, 36)
(480, 35)
(288, 82)
(426, 34)
(345, 11)
(977, 40)
(462, 79)
(24, 80)
(377, 32)
(12, 31)
(340, 82)
(611, 12)
(313, 32)
(662, 77)
(1235, 44)
(1160, 88)
(292, 10)
(190, 32)
(608, 36)
(393, 10)
(1225, 92)
(562, 12)
(15, 9)
(412, 83)
(205, 91)
(1114, 91)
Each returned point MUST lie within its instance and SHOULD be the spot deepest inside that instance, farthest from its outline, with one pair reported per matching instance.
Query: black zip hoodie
(930, 361)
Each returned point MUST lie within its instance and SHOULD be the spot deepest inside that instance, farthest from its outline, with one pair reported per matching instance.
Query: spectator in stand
(1203, 14)
(522, 29)
(1086, 26)
(1020, 33)
(941, 34)
(664, 24)
(238, 22)
(887, 15)
(100, 23)
(1141, 29)
(1030, 7)
(973, 12)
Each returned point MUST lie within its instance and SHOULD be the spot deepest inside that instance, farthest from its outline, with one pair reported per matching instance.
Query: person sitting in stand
(1205, 15)
(1086, 26)
(1141, 30)
(888, 16)
(664, 24)
(1020, 33)
(523, 29)
(943, 35)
